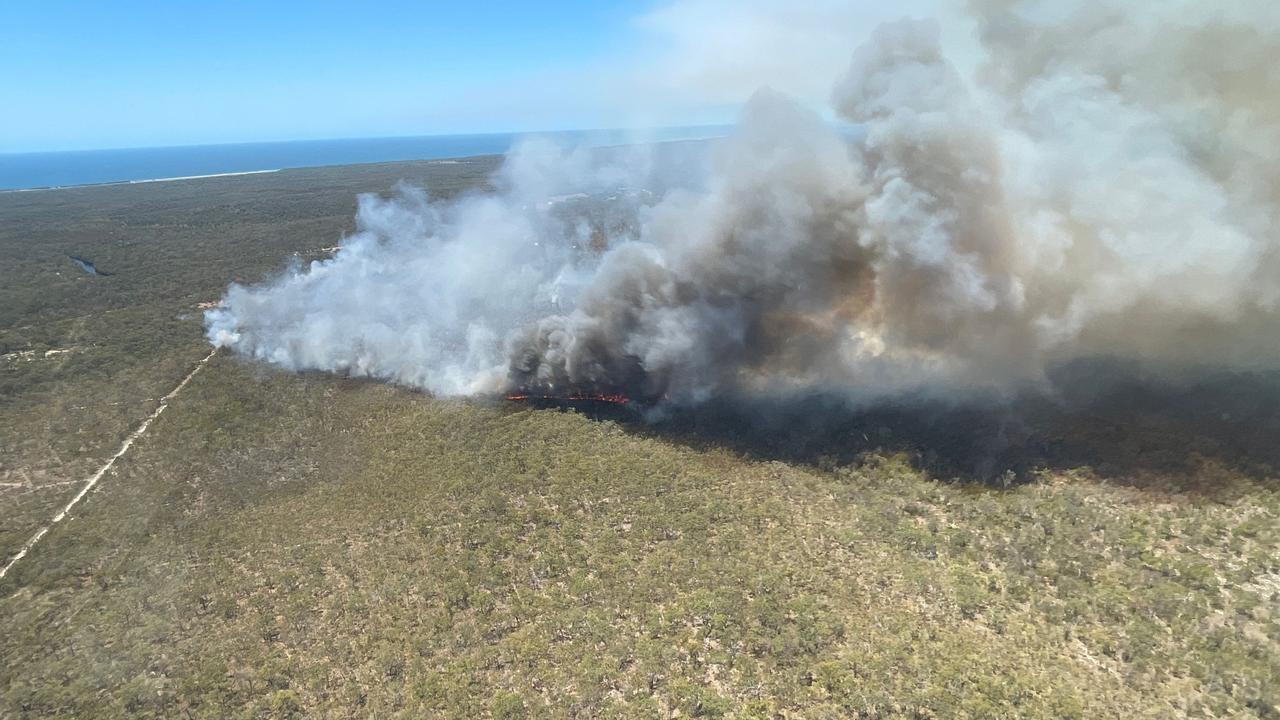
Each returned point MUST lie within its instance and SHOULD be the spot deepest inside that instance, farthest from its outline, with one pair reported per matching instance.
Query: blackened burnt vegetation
(1115, 420)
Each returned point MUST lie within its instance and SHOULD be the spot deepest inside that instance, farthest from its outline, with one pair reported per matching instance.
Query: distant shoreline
(199, 177)
(147, 181)
(29, 172)
(458, 160)
(143, 181)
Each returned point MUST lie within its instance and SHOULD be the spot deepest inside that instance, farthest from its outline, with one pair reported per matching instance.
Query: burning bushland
(1106, 185)
(572, 397)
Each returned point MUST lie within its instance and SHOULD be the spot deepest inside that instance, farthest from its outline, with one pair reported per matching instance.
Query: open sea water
(22, 171)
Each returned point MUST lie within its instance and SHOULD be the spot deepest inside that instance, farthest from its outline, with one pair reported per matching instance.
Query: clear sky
(80, 74)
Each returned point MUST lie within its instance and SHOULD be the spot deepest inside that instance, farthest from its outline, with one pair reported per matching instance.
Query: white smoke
(718, 52)
(1106, 185)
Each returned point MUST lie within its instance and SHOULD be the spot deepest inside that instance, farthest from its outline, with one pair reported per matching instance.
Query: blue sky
(78, 74)
(126, 73)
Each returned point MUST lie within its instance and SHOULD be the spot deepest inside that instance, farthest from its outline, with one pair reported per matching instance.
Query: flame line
(613, 398)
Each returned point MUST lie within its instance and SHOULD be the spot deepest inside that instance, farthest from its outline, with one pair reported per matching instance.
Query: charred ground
(1124, 425)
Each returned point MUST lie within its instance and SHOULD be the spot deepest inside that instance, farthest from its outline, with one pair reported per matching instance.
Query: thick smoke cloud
(1107, 185)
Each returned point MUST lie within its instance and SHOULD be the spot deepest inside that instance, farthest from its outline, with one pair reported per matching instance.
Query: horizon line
(124, 148)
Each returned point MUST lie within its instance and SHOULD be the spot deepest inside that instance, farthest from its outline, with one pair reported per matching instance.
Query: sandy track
(97, 476)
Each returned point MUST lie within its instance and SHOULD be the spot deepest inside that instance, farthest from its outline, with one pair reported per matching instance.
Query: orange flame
(612, 398)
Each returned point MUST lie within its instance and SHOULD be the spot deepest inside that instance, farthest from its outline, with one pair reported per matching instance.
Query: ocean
(22, 171)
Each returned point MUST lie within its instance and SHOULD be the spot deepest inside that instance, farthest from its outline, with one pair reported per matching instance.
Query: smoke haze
(1105, 184)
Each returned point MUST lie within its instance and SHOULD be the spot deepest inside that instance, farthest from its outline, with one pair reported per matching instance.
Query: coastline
(209, 176)
(453, 160)
(143, 181)
(29, 172)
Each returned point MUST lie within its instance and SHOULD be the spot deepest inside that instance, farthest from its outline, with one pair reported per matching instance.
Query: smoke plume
(1107, 184)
